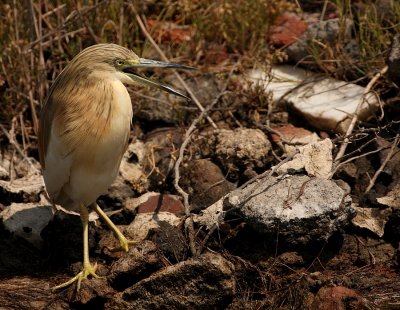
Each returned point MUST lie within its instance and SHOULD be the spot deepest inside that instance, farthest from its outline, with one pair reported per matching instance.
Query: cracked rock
(301, 209)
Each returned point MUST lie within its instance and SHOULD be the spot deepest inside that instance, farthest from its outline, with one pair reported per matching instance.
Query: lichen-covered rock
(301, 209)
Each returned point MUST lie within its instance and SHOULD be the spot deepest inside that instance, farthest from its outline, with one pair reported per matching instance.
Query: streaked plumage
(84, 130)
(80, 138)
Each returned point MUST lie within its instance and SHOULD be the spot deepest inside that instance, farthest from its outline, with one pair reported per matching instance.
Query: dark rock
(326, 31)
(64, 238)
(358, 251)
(170, 240)
(205, 183)
(169, 109)
(206, 282)
(141, 261)
(161, 147)
(92, 292)
(29, 293)
(118, 192)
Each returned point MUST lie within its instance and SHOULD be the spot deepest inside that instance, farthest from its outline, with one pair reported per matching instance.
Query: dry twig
(182, 149)
(354, 120)
(18, 149)
(383, 165)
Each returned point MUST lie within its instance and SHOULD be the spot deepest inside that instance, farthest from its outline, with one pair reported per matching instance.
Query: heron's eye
(119, 62)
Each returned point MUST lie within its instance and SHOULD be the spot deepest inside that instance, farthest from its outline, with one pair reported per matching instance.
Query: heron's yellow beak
(129, 70)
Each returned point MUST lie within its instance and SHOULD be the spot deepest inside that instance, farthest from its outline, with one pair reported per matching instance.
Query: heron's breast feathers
(89, 116)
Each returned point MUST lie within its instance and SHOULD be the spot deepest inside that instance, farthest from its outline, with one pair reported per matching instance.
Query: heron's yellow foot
(124, 243)
(87, 270)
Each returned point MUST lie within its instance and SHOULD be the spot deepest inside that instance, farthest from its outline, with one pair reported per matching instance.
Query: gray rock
(206, 282)
(301, 209)
(393, 60)
(326, 31)
(27, 220)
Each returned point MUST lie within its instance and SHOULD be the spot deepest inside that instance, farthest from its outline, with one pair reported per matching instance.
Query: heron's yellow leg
(87, 268)
(124, 243)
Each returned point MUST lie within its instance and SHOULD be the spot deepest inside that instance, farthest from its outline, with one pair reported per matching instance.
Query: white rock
(130, 171)
(327, 104)
(27, 220)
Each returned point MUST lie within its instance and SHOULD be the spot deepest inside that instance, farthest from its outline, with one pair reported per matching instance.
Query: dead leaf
(373, 219)
(392, 199)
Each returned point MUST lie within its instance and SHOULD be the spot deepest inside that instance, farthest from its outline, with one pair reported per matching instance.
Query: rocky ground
(256, 231)
(257, 204)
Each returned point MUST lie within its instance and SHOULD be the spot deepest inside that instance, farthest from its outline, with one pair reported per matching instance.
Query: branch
(388, 157)
(16, 146)
(182, 149)
(354, 120)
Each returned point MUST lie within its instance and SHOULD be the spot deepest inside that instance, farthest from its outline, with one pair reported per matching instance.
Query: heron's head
(117, 62)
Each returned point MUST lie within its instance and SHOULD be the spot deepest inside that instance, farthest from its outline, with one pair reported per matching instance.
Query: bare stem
(383, 165)
(354, 120)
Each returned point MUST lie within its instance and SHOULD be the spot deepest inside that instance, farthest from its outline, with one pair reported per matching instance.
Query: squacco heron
(84, 130)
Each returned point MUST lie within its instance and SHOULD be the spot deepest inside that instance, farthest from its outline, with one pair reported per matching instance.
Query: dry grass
(37, 39)
(374, 25)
